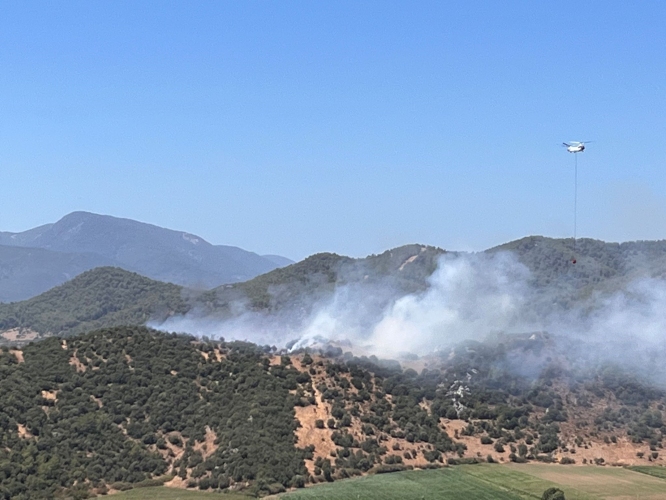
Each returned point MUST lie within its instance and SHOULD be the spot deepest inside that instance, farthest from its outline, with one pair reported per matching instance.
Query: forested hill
(105, 296)
(117, 407)
(123, 407)
(600, 266)
(405, 269)
(555, 281)
(112, 297)
(548, 259)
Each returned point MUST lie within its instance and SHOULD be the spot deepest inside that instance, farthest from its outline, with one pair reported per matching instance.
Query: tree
(553, 494)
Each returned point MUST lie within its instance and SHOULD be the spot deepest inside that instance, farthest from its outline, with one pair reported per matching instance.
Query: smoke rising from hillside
(468, 298)
(627, 328)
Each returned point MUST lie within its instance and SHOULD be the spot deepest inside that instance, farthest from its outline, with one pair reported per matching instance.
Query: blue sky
(352, 127)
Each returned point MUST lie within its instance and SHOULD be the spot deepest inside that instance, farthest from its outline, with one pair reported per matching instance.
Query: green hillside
(555, 282)
(102, 297)
(120, 406)
(298, 286)
(107, 297)
(600, 266)
(127, 407)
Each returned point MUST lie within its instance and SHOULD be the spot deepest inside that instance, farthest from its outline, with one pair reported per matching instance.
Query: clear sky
(297, 127)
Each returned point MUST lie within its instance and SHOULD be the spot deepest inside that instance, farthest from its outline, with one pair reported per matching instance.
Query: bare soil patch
(176, 482)
(207, 447)
(408, 261)
(76, 363)
(275, 360)
(50, 395)
(23, 432)
(621, 453)
(474, 447)
(19, 335)
(18, 354)
(308, 434)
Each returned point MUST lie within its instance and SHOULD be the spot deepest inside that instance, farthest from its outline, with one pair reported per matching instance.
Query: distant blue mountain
(81, 241)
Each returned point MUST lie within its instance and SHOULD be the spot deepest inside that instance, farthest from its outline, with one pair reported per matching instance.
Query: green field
(465, 482)
(486, 482)
(600, 482)
(453, 483)
(651, 470)
(445, 484)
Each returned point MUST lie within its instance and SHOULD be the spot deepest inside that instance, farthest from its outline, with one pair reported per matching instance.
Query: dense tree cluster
(102, 297)
(515, 413)
(124, 405)
(601, 267)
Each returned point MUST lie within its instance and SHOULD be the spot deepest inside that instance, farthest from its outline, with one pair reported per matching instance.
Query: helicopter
(575, 146)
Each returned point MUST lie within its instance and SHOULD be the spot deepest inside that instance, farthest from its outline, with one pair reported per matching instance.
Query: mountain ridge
(377, 280)
(163, 254)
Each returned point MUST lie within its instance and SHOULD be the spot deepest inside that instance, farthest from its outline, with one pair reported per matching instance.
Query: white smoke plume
(627, 328)
(469, 297)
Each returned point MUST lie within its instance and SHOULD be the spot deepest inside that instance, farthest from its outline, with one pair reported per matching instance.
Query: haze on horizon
(296, 128)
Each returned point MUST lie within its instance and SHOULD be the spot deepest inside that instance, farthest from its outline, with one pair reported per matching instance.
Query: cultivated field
(494, 482)
(466, 482)
(600, 482)
(653, 471)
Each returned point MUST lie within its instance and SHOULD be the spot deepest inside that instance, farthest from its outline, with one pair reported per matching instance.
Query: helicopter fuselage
(579, 148)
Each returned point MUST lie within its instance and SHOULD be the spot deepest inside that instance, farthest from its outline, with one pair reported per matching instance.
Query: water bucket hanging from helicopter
(575, 147)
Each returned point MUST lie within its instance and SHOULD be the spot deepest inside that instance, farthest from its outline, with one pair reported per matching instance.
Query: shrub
(385, 469)
(121, 486)
(298, 482)
(553, 494)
